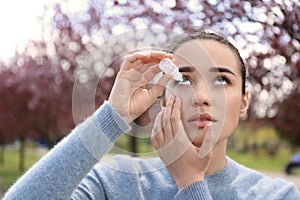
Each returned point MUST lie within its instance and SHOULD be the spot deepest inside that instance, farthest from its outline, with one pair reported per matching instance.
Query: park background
(78, 41)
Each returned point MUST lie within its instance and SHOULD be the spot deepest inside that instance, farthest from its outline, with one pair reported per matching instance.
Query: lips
(201, 120)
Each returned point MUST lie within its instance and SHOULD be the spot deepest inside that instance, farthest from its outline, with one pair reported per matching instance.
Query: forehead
(203, 54)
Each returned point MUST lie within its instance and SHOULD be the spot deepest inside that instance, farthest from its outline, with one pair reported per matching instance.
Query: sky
(18, 23)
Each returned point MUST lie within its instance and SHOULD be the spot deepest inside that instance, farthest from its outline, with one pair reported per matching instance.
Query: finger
(151, 72)
(176, 148)
(179, 134)
(142, 60)
(145, 66)
(135, 77)
(157, 132)
(142, 57)
(160, 55)
(168, 130)
(133, 58)
(175, 116)
(157, 89)
(136, 56)
(136, 64)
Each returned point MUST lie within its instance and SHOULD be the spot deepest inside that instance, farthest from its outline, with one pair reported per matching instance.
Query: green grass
(261, 161)
(9, 171)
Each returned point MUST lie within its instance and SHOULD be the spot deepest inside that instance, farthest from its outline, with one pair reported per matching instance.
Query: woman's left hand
(131, 95)
(175, 149)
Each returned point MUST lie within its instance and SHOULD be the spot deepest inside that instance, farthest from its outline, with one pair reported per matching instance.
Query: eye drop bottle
(168, 67)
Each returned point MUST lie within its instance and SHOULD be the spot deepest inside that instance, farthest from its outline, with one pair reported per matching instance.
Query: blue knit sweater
(71, 170)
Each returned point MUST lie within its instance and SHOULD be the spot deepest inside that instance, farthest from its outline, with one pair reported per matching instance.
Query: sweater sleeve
(59, 172)
(194, 191)
(292, 194)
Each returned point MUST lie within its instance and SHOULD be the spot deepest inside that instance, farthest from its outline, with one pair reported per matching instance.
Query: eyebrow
(221, 69)
(212, 69)
(186, 69)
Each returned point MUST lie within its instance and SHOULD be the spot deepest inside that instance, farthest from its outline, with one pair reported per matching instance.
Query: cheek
(233, 105)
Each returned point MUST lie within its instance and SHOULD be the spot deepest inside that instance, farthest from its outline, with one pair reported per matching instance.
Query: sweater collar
(227, 173)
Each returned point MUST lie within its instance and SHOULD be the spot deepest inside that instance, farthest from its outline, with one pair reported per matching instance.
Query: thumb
(157, 89)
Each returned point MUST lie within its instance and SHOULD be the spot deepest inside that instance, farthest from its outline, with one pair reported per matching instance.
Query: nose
(201, 96)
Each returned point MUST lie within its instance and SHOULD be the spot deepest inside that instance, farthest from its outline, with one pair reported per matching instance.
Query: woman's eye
(221, 80)
(185, 81)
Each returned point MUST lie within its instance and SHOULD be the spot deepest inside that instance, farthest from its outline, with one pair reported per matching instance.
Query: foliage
(267, 32)
(35, 103)
(287, 120)
(81, 48)
(257, 139)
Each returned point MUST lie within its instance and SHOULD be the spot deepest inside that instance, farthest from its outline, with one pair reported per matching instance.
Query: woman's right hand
(173, 146)
(131, 95)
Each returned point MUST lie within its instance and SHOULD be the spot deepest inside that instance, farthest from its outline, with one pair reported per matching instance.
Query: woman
(190, 135)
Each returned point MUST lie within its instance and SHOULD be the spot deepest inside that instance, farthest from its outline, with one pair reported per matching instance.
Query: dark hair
(216, 37)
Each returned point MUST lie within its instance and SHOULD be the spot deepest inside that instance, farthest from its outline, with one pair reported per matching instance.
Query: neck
(218, 160)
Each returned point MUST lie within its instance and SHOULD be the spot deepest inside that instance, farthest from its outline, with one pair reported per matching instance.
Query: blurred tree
(13, 112)
(267, 32)
(85, 48)
(36, 104)
(287, 119)
(5, 135)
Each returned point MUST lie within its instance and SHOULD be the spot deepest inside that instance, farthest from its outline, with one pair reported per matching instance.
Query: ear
(244, 105)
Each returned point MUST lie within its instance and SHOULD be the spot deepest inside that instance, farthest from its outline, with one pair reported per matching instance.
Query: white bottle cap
(168, 67)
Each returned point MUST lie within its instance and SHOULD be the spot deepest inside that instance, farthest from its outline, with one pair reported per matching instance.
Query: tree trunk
(22, 155)
(49, 143)
(133, 145)
(2, 149)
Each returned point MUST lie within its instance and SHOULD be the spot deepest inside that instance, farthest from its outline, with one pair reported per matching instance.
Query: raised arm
(58, 173)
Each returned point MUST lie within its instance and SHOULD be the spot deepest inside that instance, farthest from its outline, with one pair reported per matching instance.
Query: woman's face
(210, 93)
